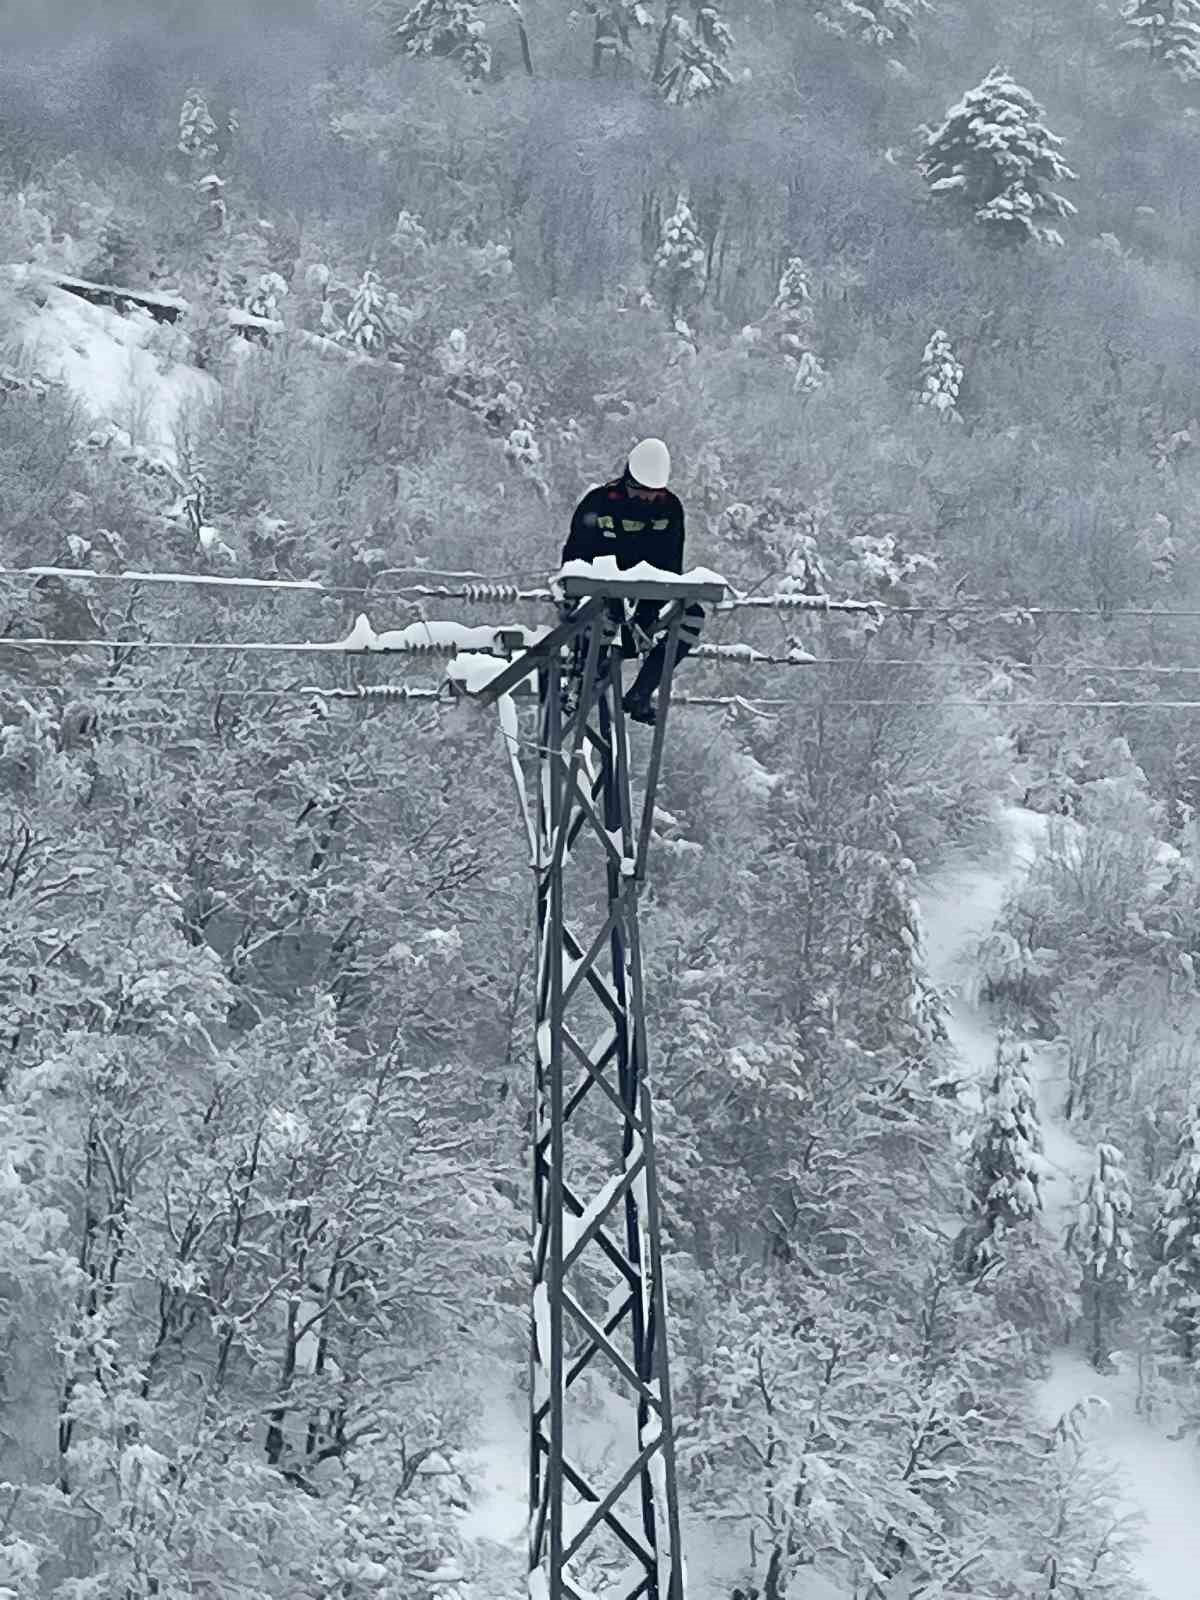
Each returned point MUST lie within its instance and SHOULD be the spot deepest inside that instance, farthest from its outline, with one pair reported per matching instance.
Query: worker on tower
(636, 518)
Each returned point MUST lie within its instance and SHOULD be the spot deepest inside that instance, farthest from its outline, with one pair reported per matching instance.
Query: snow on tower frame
(608, 1239)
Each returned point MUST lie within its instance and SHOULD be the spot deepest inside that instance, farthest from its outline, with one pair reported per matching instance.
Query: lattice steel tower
(599, 1307)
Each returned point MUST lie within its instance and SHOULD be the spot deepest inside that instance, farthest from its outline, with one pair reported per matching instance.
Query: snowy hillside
(1159, 1475)
(107, 360)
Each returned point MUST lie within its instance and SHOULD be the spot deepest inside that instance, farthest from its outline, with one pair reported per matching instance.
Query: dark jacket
(611, 520)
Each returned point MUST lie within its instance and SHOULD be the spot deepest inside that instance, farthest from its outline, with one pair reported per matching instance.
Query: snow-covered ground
(1160, 1476)
(103, 359)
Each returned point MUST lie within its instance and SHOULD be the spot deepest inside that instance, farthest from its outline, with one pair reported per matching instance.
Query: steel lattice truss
(599, 1311)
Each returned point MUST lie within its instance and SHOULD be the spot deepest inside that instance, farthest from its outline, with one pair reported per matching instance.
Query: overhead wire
(719, 655)
(429, 693)
(477, 586)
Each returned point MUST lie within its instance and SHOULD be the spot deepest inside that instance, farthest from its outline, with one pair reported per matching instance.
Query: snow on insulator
(797, 602)
(730, 652)
(378, 691)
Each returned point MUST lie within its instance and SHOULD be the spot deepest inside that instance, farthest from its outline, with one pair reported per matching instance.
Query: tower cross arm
(528, 661)
(602, 577)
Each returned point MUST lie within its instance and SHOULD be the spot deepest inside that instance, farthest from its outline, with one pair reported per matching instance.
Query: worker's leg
(650, 676)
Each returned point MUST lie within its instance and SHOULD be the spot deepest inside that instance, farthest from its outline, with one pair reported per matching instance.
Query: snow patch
(102, 358)
(475, 670)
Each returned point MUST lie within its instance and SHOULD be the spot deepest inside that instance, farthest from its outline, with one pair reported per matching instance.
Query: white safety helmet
(650, 464)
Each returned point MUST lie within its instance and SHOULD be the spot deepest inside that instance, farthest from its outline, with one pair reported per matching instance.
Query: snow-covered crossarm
(582, 579)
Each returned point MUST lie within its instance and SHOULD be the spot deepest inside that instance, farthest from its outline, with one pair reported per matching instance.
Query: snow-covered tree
(409, 236)
(615, 24)
(263, 300)
(702, 50)
(1004, 1168)
(680, 270)
(941, 376)
(1176, 1243)
(451, 28)
(1167, 32)
(793, 297)
(197, 137)
(885, 24)
(808, 374)
(367, 327)
(1102, 1242)
(993, 159)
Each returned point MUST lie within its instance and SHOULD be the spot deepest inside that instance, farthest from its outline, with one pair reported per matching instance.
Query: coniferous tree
(1177, 1244)
(615, 23)
(701, 65)
(1167, 31)
(679, 266)
(941, 376)
(1003, 1169)
(197, 130)
(452, 28)
(366, 321)
(993, 158)
(1102, 1242)
(886, 24)
(793, 298)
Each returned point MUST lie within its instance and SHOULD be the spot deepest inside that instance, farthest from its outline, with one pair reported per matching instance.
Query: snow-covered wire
(470, 586)
(210, 694)
(725, 655)
(482, 586)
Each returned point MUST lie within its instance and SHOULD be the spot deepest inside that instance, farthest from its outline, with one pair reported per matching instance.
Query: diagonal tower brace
(599, 1306)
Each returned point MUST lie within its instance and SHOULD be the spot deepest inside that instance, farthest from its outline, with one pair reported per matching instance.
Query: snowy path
(1160, 1476)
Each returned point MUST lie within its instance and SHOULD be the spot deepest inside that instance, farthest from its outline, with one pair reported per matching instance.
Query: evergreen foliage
(615, 27)
(884, 24)
(1004, 1170)
(1167, 32)
(992, 160)
(451, 28)
(197, 131)
(701, 61)
(367, 327)
(941, 377)
(793, 297)
(1101, 1240)
(680, 270)
(1177, 1244)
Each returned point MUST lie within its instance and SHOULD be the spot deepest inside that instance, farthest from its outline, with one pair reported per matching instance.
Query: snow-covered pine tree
(809, 374)
(701, 65)
(793, 298)
(680, 271)
(1168, 31)
(263, 300)
(452, 28)
(614, 25)
(197, 131)
(993, 158)
(1003, 1168)
(885, 24)
(941, 377)
(1176, 1243)
(366, 321)
(1101, 1240)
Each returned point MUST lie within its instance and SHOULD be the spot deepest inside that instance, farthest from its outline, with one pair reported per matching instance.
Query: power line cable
(729, 656)
(314, 586)
(478, 587)
(399, 692)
